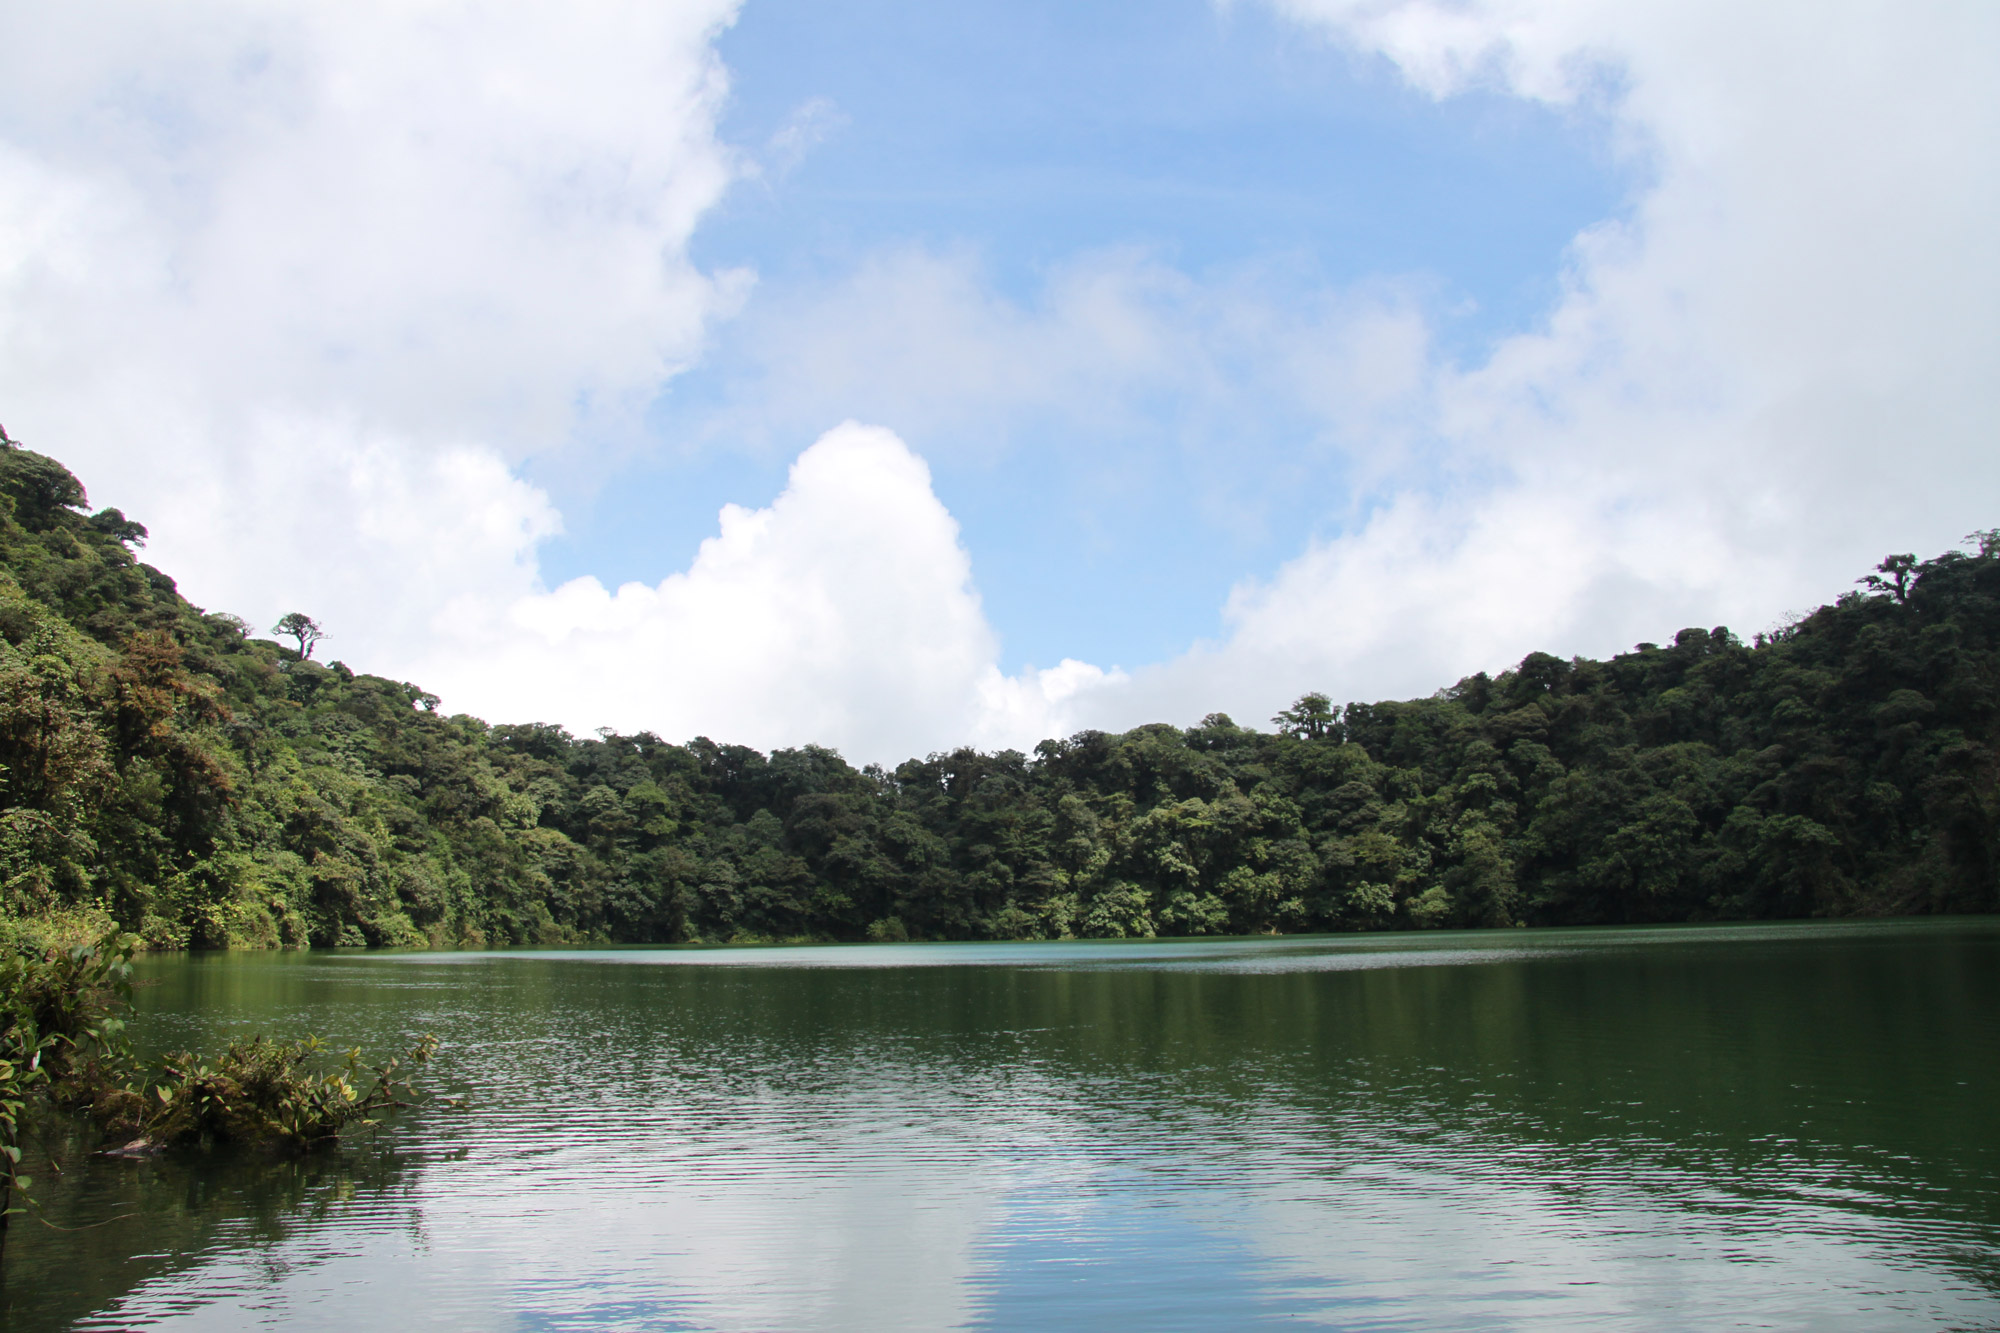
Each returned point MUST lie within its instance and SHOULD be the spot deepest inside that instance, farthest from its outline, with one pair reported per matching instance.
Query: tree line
(206, 787)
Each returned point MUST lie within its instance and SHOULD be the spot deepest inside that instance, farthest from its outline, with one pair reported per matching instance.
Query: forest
(205, 787)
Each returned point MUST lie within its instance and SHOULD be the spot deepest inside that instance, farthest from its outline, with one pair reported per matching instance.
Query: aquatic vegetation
(64, 1048)
(258, 1092)
(61, 1034)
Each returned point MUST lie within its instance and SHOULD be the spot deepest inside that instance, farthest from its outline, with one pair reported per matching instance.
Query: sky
(895, 376)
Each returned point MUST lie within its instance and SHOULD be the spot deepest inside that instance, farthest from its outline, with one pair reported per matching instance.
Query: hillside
(209, 788)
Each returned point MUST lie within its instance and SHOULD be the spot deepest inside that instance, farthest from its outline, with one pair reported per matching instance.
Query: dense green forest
(208, 788)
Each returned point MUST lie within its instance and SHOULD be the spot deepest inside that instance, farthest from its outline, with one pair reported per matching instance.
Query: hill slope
(208, 788)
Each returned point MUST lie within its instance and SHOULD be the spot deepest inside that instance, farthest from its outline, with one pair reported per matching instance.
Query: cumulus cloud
(843, 614)
(1770, 370)
(303, 288)
(1776, 370)
(302, 285)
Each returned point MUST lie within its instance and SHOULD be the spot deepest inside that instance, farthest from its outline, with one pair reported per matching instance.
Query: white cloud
(300, 285)
(1776, 371)
(302, 288)
(844, 614)
(1768, 373)
(921, 338)
(811, 124)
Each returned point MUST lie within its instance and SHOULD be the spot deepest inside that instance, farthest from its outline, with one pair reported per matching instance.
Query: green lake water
(1770, 1127)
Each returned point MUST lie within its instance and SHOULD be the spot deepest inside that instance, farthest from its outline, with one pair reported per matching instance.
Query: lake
(1770, 1126)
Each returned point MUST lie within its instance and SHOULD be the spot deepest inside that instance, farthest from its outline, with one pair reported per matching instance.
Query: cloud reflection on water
(1755, 1128)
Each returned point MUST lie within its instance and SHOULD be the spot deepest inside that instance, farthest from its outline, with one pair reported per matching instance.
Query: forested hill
(210, 788)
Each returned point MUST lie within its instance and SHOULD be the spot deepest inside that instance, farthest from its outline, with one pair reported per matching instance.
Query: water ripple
(1781, 1128)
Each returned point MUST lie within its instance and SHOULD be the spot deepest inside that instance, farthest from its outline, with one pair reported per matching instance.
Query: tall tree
(298, 625)
(1309, 719)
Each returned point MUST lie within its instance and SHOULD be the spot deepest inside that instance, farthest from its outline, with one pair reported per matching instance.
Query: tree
(1898, 569)
(298, 625)
(1309, 719)
(43, 490)
(113, 524)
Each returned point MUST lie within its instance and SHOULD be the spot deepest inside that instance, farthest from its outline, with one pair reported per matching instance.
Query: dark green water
(1790, 1127)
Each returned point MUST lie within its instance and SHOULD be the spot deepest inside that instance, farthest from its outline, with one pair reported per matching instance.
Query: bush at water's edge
(63, 1049)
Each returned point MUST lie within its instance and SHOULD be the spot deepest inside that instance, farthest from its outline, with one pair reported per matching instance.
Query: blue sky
(1028, 134)
(1198, 354)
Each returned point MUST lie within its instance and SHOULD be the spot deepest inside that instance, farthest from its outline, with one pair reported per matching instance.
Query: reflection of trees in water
(1747, 1077)
(173, 1213)
(1748, 1074)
